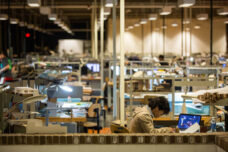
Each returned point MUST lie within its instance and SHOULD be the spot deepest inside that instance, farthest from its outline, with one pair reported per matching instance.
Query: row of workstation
(148, 76)
(53, 81)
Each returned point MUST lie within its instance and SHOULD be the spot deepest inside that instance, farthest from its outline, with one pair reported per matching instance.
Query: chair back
(91, 112)
(115, 128)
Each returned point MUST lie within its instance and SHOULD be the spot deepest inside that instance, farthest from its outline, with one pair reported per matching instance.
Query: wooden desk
(58, 119)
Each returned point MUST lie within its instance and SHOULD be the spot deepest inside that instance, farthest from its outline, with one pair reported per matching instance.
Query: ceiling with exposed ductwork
(77, 13)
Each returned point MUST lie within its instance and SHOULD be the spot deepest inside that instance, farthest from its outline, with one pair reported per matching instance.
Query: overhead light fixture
(186, 3)
(136, 25)
(14, 21)
(164, 27)
(130, 27)
(57, 21)
(187, 29)
(223, 11)
(202, 17)
(109, 3)
(34, 3)
(36, 28)
(186, 21)
(52, 17)
(226, 21)
(153, 17)
(197, 27)
(107, 11)
(143, 21)
(3, 17)
(22, 24)
(45, 10)
(166, 11)
(30, 26)
(174, 24)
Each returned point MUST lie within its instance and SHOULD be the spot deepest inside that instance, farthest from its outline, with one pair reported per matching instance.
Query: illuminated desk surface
(58, 119)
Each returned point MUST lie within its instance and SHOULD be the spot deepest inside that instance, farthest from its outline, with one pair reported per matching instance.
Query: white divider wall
(200, 37)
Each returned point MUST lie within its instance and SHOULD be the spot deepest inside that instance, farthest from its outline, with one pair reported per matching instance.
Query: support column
(92, 33)
(122, 53)
(142, 34)
(95, 33)
(163, 22)
(102, 46)
(211, 30)
(9, 30)
(182, 32)
(114, 60)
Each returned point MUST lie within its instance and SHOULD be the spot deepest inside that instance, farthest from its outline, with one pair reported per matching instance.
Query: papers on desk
(75, 105)
(194, 128)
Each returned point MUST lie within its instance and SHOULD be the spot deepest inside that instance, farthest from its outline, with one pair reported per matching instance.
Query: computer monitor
(94, 67)
(118, 70)
(187, 120)
(64, 91)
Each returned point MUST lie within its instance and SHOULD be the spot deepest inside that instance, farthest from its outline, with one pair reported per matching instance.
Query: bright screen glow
(94, 67)
(185, 121)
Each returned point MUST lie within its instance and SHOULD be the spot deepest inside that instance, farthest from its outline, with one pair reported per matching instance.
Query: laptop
(187, 120)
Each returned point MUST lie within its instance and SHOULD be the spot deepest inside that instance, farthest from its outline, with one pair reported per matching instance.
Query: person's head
(159, 106)
(161, 57)
(1, 55)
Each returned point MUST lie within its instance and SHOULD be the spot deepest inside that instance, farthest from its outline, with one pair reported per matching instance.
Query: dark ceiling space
(77, 13)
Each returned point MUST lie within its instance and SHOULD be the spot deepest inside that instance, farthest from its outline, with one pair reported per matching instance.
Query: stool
(91, 125)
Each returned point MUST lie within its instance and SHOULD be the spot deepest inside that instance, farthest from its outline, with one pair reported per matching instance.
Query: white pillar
(95, 32)
(122, 53)
(92, 33)
(115, 107)
(102, 45)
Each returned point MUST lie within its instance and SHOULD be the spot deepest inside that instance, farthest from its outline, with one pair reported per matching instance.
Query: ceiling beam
(128, 5)
(73, 30)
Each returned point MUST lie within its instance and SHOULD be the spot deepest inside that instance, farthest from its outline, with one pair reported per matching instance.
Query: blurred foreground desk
(197, 142)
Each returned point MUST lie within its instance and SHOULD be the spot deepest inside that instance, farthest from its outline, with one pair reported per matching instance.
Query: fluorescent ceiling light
(222, 11)
(197, 27)
(166, 11)
(22, 24)
(44, 10)
(202, 17)
(3, 17)
(143, 21)
(137, 25)
(109, 3)
(34, 3)
(30, 26)
(130, 27)
(14, 21)
(52, 17)
(187, 29)
(57, 21)
(36, 28)
(174, 24)
(187, 21)
(186, 3)
(164, 27)
(153, 17)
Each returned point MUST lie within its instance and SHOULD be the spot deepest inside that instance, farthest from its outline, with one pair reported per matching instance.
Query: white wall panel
(200, 38)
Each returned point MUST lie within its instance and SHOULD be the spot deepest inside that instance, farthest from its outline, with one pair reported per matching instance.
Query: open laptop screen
(187, 120)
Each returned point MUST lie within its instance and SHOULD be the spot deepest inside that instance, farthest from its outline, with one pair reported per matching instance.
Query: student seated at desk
(5, 68)
(142, 121)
